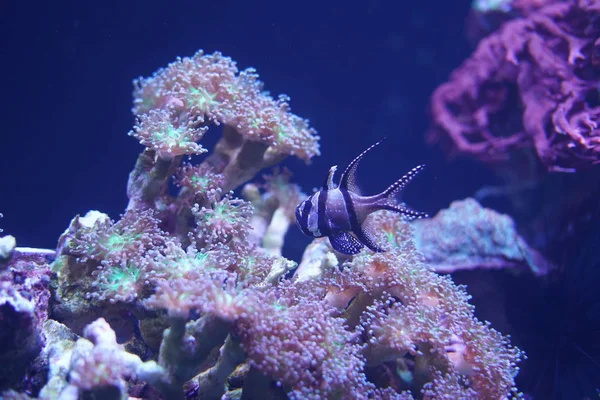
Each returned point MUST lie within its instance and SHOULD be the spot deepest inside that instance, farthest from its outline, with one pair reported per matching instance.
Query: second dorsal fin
(348, 179)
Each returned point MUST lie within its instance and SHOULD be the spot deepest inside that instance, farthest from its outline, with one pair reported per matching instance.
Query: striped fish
(339, 212)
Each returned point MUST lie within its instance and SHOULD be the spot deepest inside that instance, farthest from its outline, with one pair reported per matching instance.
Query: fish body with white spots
(339, 211)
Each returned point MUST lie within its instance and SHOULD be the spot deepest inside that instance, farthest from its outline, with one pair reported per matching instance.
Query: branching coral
(532, 83)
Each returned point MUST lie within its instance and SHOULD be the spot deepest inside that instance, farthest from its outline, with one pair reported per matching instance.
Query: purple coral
(532, 83)
(223, 220)
(298, 341)
(209, 88)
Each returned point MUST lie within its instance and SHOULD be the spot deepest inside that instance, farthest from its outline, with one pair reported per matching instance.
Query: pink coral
(209, 88)
(135, 233)
(168, 135)
(203, 183)
(295, 339)
(223, 220)
(432, 313)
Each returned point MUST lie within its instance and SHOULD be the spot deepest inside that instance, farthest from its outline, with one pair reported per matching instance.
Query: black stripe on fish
(356, 227)
(363, 237)
(302, 217)
(352, 216)
(323, 222)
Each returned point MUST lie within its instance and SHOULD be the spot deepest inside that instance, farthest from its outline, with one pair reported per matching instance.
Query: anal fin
(345, 243)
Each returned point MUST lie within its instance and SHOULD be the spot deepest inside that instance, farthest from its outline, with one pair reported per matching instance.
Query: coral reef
(187, 295)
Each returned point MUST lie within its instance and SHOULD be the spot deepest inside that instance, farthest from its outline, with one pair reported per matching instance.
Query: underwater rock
(60, 342)
(467, 236)
(24, 296)
(7, 245)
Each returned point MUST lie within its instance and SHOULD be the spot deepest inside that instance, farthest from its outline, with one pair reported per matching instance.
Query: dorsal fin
(328, 185)
(348, 179)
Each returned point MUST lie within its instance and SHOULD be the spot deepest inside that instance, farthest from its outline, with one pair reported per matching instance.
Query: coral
(532, 83)
(223, 220)
(187, 295)
(57, 352)
(298, 341)
(467, 235)
(134, 234)
(274, 209)
(159, 131)
(318, 257)
(113, 254)
(426, 317)
(203, 184)
(208, 88)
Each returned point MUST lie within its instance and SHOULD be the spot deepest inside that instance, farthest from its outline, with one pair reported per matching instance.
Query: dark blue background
(358, 70)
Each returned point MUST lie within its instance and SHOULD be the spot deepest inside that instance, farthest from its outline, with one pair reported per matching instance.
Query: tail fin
(403, 209)
(386, 200)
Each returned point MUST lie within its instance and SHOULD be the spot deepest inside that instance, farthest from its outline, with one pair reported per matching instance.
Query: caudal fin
(403, 209)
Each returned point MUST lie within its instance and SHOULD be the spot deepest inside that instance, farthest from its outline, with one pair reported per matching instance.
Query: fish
(339, 211)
